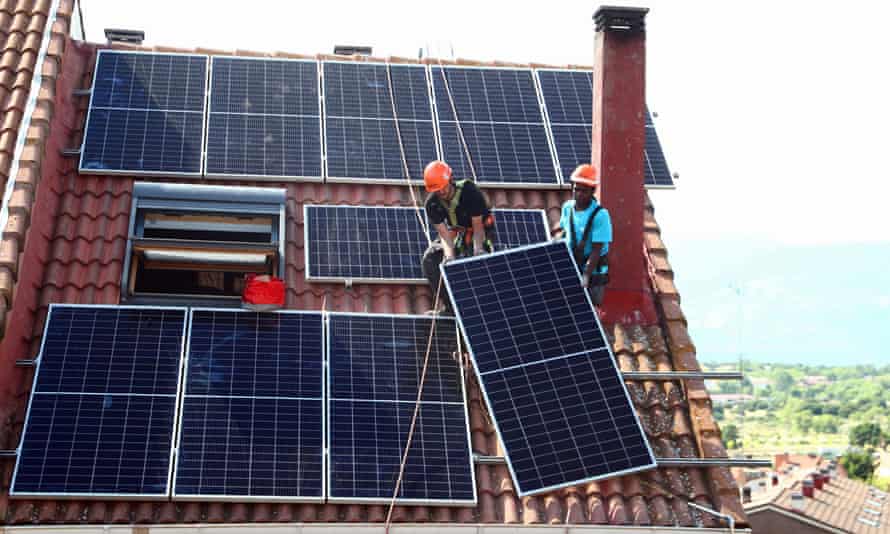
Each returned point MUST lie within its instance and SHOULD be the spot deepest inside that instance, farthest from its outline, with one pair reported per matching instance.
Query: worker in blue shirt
(589, 231)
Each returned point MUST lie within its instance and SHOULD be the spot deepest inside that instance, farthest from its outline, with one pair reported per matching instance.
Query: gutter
(25, 125)
(360, 528)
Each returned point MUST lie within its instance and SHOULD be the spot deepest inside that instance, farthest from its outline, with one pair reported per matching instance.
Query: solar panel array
(264, 118)
(334, 120)
(376, 363)
(550, 381)
(568, 97)
(385, 244)
(497, 112)
(146, 114)
(252, 417)
(102, 410)
(360, 127)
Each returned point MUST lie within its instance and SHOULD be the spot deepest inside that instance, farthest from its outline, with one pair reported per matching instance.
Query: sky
(773, 114)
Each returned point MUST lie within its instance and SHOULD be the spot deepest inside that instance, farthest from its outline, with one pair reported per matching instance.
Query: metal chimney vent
(352, 50)
(124, 36)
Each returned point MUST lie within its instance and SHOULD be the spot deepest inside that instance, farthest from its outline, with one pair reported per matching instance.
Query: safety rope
(460, 130)
(392, 102)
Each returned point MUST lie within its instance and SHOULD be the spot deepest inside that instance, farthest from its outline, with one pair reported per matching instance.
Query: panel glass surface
(146, 114)
(362, 139)
(264, 118)
(550, 381)
(376, 364)
(387, 243)
(498, 112)
(568, 96)
(101, 417)
(252, 422)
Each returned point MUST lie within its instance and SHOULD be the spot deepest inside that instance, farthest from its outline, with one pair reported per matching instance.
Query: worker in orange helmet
(589, 230)
(462, 217)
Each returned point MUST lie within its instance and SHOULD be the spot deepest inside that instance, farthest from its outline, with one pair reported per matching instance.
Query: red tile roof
(75, 252)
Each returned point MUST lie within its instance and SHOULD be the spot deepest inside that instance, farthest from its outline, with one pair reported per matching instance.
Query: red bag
(263, 292)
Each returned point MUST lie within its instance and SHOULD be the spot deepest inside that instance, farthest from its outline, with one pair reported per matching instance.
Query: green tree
(866, 434)
(784, 381)
(731, 437)
(859, 464)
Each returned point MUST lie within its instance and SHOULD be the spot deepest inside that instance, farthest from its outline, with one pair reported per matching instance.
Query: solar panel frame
(648, 166)
(323, 400)
(176, 413)
(415, 180)
(308, 243)
(490, 407)
(329, 399)
(80, 167)
(269, 177)
(557, 184)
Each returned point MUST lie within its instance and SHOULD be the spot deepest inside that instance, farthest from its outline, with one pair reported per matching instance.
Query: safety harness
(599, 278)
(463, 237)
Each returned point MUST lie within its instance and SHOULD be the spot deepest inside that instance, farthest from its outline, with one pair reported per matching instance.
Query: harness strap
(579, 246)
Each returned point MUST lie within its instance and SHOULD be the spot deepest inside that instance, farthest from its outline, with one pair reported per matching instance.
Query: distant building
(814, 380)
(731, 398)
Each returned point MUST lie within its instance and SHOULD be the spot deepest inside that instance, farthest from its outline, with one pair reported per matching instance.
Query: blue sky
(773, 113)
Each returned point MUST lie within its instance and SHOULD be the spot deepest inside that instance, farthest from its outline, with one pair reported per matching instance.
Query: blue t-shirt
(600, 232)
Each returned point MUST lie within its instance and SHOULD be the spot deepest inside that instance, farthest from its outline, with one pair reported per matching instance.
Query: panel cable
(460, 130)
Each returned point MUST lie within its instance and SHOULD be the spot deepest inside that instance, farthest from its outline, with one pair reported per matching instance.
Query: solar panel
(386, 244)
(252, 424)
(549, 379)
(568, 98)
(497, 110)
(375, 364)
(362, 141)
(265, 118)
(146, 114)
(101, 416)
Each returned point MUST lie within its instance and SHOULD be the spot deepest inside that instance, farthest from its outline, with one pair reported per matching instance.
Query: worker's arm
(447, 240)
(478, 236)
(592, 260)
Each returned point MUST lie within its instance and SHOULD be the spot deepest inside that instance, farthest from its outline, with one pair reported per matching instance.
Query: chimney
(618, 140)
(808, 488)
(775, 479)
(797, 502)
(826, 475)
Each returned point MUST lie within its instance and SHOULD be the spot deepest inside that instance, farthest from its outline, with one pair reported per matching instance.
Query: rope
(392, 102)
(426, 360)
(460, 130)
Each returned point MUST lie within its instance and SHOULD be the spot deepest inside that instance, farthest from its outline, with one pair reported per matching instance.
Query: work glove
(585, 280)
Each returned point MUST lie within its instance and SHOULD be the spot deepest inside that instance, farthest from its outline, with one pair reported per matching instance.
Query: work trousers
(432, 258)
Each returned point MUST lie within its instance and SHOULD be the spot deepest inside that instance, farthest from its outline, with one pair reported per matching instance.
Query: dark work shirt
(472, 204)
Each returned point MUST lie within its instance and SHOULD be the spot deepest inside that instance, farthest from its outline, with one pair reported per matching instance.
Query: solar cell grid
(146, 114)
(361, 136)
(252, 425)
(550, 382)
(264, 118)
(498, 112)
(375, 368)
(101, 415)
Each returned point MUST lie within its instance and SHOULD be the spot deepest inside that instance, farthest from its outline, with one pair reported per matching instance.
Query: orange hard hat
(585, 174)
(436, 176)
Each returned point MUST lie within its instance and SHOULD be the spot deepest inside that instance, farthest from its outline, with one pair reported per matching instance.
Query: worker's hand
(479, 251)
(585, 280)
(446, 258)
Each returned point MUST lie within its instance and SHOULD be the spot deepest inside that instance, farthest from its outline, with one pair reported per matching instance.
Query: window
(199, 241)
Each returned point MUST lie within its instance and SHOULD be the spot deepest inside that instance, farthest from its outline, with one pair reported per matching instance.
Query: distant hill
(797, 304)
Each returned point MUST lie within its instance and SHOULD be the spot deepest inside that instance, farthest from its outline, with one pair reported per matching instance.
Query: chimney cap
(620, 19)
(118, 35)
(352, 50)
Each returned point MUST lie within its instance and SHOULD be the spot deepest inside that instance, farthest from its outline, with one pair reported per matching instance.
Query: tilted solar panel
(385, 244)
(498, 112)
(102, 411)
(146, 114)
(568, 97)
(265, 118)
(252, 424)
(361, 130)
(375, 368)
(550, 381)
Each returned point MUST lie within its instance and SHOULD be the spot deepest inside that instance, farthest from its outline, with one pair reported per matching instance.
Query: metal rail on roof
(663, 462)
(682, 375)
